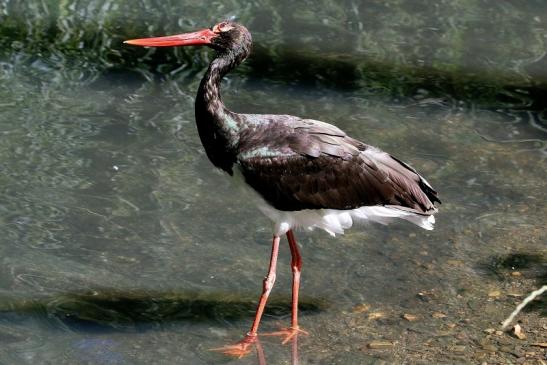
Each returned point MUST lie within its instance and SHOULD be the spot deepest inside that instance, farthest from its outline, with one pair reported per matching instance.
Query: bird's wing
(314, 165)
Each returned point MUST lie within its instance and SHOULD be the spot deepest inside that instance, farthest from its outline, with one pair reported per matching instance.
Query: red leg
(243, 347)
(267, 286)
(296, 267)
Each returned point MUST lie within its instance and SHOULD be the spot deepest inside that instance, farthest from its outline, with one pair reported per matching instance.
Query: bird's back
(297, 164)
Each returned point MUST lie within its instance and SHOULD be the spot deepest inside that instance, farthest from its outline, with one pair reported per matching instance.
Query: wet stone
(410, 317)
(377, 315)
(518, 332)
(457, 348)
(444, 333)
(489, 347)
(380, 345)
(512, 351)
(494, 294)
(361, 308)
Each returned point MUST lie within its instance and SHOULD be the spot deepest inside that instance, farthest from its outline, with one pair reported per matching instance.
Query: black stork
(303, 173)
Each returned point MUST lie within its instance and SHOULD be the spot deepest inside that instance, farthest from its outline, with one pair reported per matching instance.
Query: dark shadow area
(530, 265)
(111, 310)
(538, 305)
(355, 73)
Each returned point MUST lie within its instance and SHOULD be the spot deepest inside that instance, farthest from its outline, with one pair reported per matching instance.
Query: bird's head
(224, 37)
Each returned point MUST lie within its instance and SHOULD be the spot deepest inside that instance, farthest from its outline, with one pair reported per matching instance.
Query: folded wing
(309, 164)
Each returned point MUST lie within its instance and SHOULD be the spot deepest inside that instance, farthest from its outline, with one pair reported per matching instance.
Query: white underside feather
(333, 221)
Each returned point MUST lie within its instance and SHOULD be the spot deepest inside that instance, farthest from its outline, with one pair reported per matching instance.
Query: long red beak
(201, 37)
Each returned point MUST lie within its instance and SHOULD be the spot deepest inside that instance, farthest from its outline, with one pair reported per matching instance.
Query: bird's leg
(243, 347)
(267, 286)
(296, 267)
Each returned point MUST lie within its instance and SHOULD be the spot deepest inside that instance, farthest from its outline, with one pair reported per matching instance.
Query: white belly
(333, 221)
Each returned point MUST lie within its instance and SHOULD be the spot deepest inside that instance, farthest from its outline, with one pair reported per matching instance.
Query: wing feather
(319, 167)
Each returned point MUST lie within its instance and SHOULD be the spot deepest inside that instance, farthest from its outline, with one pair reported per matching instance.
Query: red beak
(201, 37)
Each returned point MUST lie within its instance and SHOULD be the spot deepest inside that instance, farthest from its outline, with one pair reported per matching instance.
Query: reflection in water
(294, 351)
(261, 354)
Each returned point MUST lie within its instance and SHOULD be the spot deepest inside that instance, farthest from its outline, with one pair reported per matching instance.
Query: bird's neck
(218, 127)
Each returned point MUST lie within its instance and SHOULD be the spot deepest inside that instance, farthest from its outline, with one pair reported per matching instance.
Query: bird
(301, 173)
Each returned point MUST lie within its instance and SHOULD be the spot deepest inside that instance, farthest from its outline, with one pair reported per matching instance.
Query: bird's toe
(287, 333)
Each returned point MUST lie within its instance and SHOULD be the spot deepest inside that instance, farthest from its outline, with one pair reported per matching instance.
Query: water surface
(122, 244)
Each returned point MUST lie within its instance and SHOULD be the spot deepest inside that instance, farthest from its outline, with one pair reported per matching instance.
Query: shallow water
(121, 243)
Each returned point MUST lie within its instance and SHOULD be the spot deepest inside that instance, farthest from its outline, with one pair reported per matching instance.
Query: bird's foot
(288, 333)
(239, 349)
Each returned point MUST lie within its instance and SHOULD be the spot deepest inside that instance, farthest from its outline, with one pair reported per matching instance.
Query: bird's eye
(222, 27)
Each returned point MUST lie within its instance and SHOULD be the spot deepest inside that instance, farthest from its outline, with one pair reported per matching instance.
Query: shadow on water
(538, 305)
(533, 264)
(112, 310)
(530, 265)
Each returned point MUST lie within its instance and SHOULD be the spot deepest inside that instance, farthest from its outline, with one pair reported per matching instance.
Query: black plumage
(300, 164)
